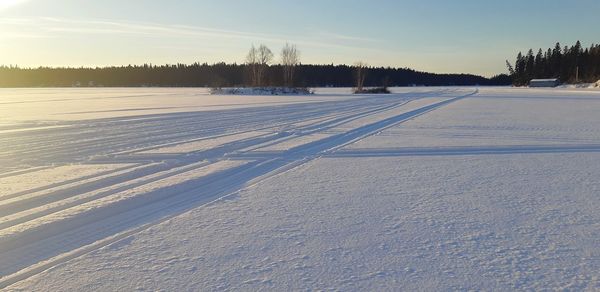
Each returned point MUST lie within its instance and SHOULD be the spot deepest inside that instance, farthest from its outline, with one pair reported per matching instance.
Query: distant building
(544, 82)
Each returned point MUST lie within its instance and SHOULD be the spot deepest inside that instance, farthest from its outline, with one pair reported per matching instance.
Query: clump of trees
(361, 70)
(258, 61)
(360, 75)
(569, 64)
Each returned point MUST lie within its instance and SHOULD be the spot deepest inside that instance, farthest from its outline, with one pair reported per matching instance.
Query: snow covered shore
(582, 85)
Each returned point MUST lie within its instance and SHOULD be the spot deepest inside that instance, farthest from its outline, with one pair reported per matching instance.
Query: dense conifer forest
(224, 75)
(573, 64)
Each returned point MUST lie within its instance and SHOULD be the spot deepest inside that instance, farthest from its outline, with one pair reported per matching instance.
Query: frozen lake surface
(423, 189)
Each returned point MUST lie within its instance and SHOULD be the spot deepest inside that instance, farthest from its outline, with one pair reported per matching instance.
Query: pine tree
(556, 60)
(529, 63)
(520, 70)
(539, 65)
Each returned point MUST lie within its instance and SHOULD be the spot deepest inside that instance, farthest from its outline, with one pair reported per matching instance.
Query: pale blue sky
(442, 36)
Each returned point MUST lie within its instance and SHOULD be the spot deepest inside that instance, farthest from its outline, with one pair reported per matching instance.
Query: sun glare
(9, 3)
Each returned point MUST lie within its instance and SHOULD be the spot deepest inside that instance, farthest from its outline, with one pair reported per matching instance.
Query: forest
(573, 64)
(227, 75)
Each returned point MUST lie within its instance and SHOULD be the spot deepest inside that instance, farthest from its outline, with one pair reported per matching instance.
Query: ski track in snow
(68, 216)
(113, 178)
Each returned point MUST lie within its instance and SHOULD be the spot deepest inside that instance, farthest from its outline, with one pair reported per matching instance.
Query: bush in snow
(374, 90)
(262, 91)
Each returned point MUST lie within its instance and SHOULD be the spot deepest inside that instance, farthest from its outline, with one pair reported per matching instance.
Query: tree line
(258, 70)
(569, 64)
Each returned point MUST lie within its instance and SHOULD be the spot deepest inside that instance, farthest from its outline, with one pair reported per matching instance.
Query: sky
(442, 36)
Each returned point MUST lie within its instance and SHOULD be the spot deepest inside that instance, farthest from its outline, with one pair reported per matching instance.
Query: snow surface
(594, 85)
(177, 190)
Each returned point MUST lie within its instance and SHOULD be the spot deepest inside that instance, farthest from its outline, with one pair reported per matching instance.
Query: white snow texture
(179, 190)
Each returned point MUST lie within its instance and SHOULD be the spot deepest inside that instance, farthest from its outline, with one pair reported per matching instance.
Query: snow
(205, 143)
(59, 104)
(594, 85)
(422, 189)
(18, 183)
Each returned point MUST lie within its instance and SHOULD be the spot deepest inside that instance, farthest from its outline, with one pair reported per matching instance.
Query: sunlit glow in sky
(7, 3)
(469, 36)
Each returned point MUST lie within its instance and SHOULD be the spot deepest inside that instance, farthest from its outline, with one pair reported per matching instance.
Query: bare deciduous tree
(258, 60)
(290, 57)
(265, 56)
(252, 62)
(361, 74)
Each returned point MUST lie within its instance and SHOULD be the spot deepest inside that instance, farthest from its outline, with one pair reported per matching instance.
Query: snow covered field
(178, 190)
